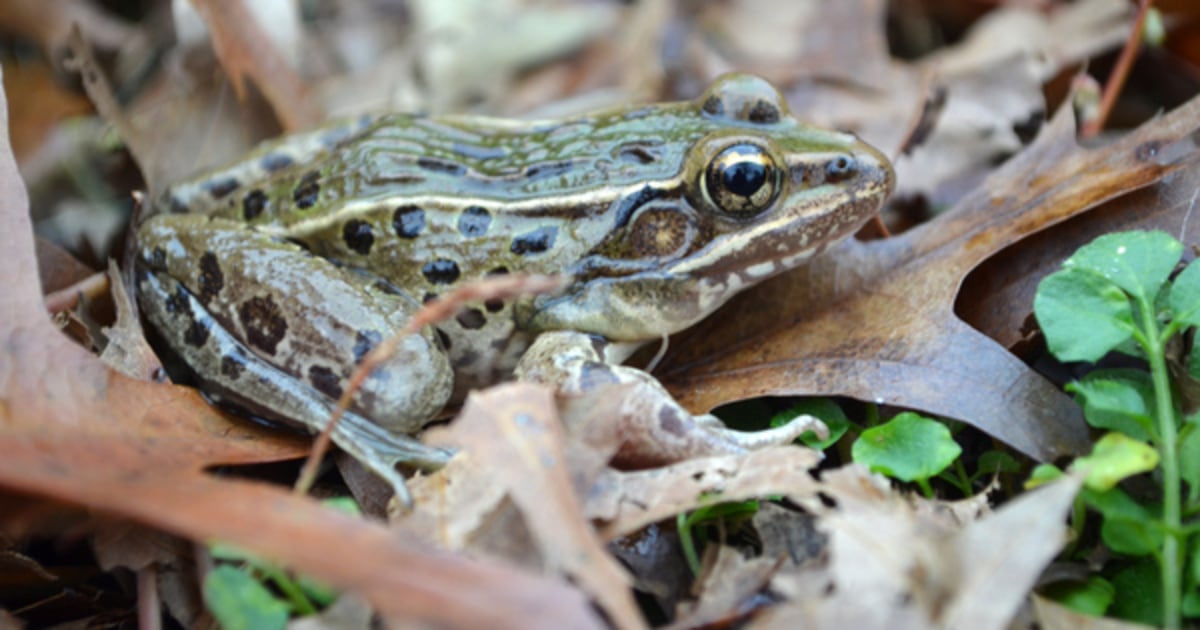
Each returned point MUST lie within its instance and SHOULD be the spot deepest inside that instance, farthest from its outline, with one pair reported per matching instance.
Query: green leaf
(1091, 597)
(1083, 316)
(1134, 537)
(1115, 456)
(1138, 262)
(239, 602)
(1190, 606)
(1114, 503)
(825, 409)
(1184, 299)
(1189, 456)
(994, 462)
(1042, 474)
(345, 505)
(1139, 593)
(908, 447)
(1118, 400)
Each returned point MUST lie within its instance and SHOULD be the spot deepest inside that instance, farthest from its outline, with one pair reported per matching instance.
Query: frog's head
(758, 193)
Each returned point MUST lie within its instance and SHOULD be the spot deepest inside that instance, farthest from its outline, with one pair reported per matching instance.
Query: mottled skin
(272, 277)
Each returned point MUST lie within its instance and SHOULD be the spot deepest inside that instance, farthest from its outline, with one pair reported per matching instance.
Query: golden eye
(742, 180)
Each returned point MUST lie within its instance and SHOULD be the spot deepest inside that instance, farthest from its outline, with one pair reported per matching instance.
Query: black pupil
(744, 178)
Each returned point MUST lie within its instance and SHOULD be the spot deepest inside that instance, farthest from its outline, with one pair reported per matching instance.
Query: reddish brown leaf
(875, 320)
(246, 51)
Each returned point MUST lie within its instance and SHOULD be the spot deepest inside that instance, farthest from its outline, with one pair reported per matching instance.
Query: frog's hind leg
(273, 329)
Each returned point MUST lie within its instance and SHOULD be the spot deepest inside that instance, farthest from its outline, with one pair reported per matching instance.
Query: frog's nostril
(840, 168)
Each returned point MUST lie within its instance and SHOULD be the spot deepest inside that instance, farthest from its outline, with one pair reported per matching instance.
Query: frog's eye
(742, 180)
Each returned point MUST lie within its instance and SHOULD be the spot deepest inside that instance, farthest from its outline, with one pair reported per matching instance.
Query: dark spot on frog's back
(197, 333)
(536, 241)
(262, 322)
(408, 221)
(325, 381)
(359, 236)
(471, 318)
(232, 366)
(179, 302)
(494, 305)
(441, 271)
(253, 204)
(211, 278)
(221, 186)
(441, 166)
(474, 221)
(307, 190)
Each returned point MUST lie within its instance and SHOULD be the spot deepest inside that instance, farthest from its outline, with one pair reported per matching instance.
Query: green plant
(238, 595)
(909, 447)
(1113, 295)
(689, 526)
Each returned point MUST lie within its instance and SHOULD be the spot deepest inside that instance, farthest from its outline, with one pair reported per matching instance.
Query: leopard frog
(272, 277)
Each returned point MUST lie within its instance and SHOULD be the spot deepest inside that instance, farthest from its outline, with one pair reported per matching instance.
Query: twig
(1120, 72)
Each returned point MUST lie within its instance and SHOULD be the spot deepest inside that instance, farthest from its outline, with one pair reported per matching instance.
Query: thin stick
(1120, 73)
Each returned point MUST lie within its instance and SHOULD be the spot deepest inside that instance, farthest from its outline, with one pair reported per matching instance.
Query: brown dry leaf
(728, 582)
(892, 565)
(513, 436)
(834, 42)
(478, 47)
(996, 296)
(1002, 554)
(848, 80)
(40, 103)
(48, 23)
(245, 51)
(1054, 39)
(875, 320)
(74, 431)
(58, 269)
(627, 501)
(127, 350)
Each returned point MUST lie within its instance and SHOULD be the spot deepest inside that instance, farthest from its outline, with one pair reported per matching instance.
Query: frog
(272, 277)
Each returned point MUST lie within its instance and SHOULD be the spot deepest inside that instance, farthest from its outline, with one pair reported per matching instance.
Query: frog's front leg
(270, 327)
(654, 428)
